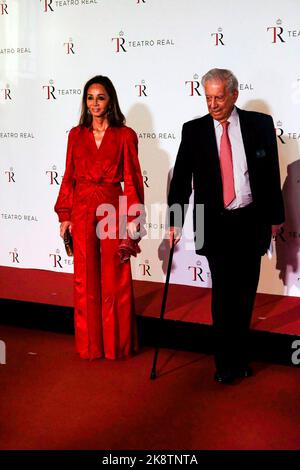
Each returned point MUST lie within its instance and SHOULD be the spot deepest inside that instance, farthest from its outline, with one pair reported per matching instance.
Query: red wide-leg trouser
(103, 294)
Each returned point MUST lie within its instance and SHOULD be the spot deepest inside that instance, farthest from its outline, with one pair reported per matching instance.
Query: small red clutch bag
(127, 248)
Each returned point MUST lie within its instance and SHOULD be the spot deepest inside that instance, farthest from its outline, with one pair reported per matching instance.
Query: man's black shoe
(224, 378)
(244, 372)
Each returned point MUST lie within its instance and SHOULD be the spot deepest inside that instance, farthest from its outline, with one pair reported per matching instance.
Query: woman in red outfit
(102, 152)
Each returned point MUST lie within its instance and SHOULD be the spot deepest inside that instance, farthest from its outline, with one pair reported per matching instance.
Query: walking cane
(162, 310)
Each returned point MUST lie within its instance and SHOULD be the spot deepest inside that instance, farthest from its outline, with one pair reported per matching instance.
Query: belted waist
(97, 183)
(238, 211)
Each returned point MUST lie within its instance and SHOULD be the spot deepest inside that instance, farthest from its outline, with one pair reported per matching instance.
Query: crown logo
(279, 123)
(196, 76)
(121, 33)
(220, 29)
(279, 22)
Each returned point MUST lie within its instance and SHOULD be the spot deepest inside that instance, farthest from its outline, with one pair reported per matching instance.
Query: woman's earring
(88, 111)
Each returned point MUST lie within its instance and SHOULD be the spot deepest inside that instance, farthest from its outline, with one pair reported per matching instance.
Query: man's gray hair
(222, 75)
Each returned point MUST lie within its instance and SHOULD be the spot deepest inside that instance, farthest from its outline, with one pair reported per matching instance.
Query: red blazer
(115, 161)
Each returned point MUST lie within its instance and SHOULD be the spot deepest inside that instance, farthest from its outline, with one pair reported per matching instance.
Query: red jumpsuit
(103, 296)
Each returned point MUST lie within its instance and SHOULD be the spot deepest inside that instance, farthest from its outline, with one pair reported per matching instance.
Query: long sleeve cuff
(63, 216)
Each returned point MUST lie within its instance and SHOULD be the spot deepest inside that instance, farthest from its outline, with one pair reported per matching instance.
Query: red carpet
(274, 313)
(50, 399)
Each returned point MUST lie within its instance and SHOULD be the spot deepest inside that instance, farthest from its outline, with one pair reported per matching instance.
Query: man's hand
(173, 232)
(276, 229)
(66, 225)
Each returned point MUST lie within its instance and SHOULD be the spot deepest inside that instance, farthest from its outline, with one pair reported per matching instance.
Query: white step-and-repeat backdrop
(155, 52)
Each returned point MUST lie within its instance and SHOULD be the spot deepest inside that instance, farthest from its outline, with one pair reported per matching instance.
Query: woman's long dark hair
(114, 115)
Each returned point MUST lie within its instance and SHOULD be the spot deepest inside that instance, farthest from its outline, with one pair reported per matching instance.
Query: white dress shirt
(240, 167)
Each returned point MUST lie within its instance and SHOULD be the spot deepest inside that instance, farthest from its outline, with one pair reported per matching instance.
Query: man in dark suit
(231, 157)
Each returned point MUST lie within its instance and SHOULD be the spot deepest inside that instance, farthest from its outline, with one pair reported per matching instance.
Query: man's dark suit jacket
(198, 161)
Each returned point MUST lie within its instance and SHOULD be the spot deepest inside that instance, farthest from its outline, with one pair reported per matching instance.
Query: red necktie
(226, 166)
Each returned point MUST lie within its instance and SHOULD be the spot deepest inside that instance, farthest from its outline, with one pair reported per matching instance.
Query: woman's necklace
(99, 129)
(99, 134)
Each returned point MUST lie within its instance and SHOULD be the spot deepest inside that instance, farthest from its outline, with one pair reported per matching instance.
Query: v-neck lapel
(97, 149)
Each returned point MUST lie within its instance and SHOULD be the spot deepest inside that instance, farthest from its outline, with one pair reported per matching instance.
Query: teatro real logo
(276, 32)
(282, 134)
(163, 135)
(53, 177)
(51, 92)
(58, 262)
(3, 8)
(56, 259)
(5, 94)
(119, 42)
(16, 135)
(146, 179)
(15, 50)
(218, 37)
(280, 34)
(246, 87)
(122, 44)
(145, 268)
(10, 175)
(49, 5)
(69, 47)
(279, 131)
(14, 256)
(196, 272)
(192, 86)
(141, 89)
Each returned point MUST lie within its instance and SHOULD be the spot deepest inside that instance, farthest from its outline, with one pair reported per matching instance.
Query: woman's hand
(132, 229)
(66, 225)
